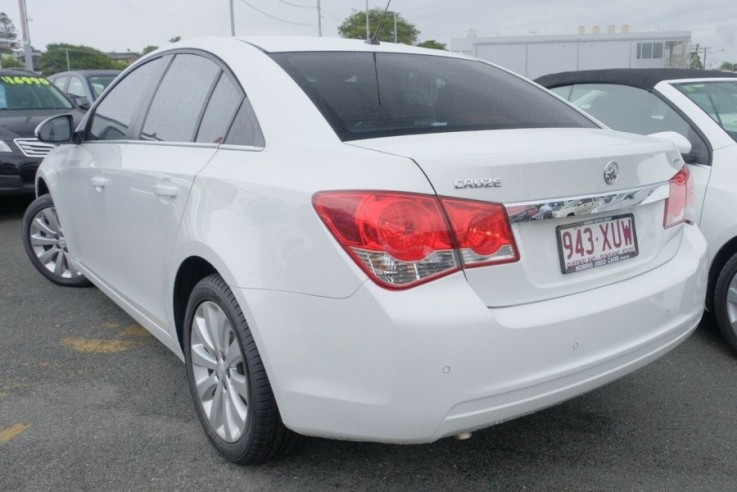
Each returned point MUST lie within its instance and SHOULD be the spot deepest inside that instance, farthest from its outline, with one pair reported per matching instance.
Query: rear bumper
(417, 365)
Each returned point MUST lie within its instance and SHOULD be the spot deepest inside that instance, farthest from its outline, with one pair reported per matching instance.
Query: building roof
(644, 78)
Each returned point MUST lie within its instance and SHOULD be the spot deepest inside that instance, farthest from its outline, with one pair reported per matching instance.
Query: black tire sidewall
(721, 289)
(37, 205)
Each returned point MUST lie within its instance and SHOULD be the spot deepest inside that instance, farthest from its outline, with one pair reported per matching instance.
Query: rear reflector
(679, 204)
(404, 239)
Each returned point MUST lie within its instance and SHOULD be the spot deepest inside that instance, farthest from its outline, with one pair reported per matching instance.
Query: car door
(152, 184)
(86, 208)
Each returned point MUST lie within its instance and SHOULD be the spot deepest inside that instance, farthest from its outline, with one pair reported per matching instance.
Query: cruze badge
(461, 184)
(611, 172)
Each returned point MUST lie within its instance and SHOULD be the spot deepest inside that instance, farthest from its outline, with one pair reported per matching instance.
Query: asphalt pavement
(90, 401)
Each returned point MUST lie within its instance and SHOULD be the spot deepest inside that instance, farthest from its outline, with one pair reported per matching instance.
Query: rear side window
(225, 100)
(76, 88)
(178, 104)
(366, 95)
(115, 114)
(634, 110)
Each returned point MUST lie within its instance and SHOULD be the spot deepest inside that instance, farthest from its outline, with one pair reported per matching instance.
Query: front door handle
(166, 190)
(99, 182)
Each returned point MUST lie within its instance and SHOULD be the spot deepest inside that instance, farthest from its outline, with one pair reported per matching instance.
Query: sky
(121, 25)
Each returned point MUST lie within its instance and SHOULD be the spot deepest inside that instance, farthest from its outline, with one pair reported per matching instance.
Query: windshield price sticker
(20, 80)
(596, 243)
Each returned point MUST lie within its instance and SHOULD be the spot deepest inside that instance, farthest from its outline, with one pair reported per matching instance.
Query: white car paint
(347, 358)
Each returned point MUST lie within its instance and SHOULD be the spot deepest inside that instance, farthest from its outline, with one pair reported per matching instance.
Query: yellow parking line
(98, 345)
(9, 433)
(134, 331)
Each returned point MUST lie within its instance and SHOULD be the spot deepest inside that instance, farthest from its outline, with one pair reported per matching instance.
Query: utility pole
(232, 19)
(395, 27)
(319, 19)
(368, 32)
(27, 50)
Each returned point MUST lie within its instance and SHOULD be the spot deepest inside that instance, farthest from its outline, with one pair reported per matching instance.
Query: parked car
(26, 99)
(702, 107)
(84, 86)
(320, 229)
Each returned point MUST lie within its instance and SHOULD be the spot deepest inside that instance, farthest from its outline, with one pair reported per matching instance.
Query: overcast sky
(120, 25)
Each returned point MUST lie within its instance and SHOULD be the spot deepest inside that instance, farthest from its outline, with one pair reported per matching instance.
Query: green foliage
(9, 61)
(148, 49)
(431, 43)
(80, 58)
(7, 28)
(695, 61)
(175, 39)
(354, 27)
(730, 67)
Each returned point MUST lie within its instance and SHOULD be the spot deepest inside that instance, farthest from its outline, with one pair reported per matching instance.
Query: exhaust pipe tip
(463, 436)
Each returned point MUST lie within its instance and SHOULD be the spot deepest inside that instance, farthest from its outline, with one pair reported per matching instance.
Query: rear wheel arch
(190, 272)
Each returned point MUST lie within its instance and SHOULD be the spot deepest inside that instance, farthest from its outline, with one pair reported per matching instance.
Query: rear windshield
(367, 95)
(29, 92)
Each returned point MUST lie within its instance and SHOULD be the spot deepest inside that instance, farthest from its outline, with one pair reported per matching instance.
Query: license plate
(596, 243)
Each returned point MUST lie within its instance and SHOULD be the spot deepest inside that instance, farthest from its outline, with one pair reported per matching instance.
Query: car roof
(19, 72)
(279, 44)
(644, 78)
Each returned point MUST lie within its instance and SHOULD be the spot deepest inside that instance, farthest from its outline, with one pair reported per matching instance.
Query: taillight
(679, 204)
(404, 239)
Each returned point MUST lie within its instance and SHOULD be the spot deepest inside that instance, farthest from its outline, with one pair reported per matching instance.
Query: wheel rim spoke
(53, 219)
(218, 370)
(41, 224)
(48, 255)
(203, 358)
(47, 242)
(732, 292)
(60, 265)
(39, 240)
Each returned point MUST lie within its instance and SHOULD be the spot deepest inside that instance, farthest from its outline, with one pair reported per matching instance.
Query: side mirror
(56, 130)
(681, 142)
(81, 102)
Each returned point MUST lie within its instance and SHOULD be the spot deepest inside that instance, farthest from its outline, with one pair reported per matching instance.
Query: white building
(533, 56)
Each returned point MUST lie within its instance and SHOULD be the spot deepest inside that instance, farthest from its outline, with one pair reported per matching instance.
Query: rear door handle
(99, 182)
(166, 190)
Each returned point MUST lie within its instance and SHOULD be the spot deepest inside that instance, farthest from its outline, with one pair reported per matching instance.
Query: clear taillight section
(404, 239)
(679, 204)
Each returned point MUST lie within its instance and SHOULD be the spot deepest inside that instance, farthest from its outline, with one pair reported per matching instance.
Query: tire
(43, 240)
(725, 301)
(230, 389)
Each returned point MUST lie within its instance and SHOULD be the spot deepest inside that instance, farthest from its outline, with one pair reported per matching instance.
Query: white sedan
(702, 107)
(337, 238)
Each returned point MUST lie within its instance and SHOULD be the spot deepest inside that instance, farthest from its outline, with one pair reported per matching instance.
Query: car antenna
(375, 38)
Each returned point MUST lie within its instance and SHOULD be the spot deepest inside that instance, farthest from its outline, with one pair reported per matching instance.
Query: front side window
(717, 99)
(76, 88)
(30, 92)
(634, 110)
(99, 83)
(176, 108)
(367, 95)
(115, 114)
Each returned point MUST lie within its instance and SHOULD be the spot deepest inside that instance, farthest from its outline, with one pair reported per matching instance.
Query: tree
(175, 39)
(695, 61)
(9, 61)
(354, 26)
(7, 28)
(148, 49)
(80, 57)
(431, 43)
(730, 67)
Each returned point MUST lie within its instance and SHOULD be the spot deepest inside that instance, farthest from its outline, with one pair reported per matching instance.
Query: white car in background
(336, 237)
(700, 106)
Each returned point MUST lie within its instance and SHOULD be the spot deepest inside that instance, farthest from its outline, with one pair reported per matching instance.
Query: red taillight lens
(399, 239)
(403, 239)
(679, 204)
(483, 232)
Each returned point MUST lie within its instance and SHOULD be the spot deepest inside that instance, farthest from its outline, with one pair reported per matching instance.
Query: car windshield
(30, 92)
(717, 99)
(366, 95)
(100, 82)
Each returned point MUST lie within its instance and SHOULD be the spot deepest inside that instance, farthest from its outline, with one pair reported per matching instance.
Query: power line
(276, 18)
(295, 5)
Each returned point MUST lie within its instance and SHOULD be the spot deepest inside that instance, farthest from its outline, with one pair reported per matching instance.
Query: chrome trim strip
(584, 205)
(247, 148)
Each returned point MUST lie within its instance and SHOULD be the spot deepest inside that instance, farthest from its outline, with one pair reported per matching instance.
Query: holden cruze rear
(383, 243)
(473, 305)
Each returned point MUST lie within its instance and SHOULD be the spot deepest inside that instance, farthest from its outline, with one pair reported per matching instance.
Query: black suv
(26, 99)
